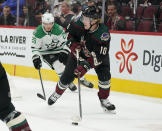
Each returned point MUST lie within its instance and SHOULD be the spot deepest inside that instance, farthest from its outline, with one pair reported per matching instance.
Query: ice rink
(134, 113)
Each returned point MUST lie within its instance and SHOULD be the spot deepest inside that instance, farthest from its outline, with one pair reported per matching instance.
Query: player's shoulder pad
(57, 29)
(77, 23)
(38, 32)
(102, 33)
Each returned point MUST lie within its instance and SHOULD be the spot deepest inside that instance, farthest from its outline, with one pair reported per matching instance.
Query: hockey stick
(38, 94)
(79, 89)
(76, 119)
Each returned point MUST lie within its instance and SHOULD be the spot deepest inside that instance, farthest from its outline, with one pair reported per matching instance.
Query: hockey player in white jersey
(49, 44)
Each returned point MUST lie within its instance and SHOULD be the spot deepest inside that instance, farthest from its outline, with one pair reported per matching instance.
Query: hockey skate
(72, 87)
(86, 83)
(107, 106)
(53, 98)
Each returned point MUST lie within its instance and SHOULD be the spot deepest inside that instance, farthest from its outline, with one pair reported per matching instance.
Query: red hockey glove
(82, 69)
(75, 46)
(90, 61)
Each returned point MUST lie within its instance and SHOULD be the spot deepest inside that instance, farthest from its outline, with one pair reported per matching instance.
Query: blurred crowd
(122, 15)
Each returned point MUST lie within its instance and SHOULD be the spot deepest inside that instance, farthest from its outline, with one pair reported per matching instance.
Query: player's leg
(57, 63)
(63, 59)
(104, 77)
(13, 119)
(65, 80)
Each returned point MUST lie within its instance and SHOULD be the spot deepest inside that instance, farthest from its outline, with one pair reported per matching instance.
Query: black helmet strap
(92, 24)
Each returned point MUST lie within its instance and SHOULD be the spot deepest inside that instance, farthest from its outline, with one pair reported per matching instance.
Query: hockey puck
(75, 123)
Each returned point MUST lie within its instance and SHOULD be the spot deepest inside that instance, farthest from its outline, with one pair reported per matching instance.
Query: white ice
(134, 113)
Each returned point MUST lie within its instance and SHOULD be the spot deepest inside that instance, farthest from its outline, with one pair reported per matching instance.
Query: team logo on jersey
(105, 36)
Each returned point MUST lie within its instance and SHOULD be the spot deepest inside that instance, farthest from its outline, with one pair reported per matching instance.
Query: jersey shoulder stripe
(78, 24)
(102, 34)
(57, 29)
(38, 32)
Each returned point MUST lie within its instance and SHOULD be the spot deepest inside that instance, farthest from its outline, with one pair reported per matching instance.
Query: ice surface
(134, 113)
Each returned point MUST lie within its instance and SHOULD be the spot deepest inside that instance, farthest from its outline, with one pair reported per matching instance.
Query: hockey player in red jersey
(14, 120)
(92, 39)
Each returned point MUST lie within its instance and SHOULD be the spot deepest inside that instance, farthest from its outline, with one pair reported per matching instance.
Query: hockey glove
(90, 61)
(37, 62)
(75, 46)
(82, 69)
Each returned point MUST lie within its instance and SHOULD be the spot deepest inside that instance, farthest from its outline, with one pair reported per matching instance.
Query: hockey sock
(104, 89)
(17, 122)
(60, 88)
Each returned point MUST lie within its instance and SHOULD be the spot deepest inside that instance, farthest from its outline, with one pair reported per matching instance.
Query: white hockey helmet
(47, 18)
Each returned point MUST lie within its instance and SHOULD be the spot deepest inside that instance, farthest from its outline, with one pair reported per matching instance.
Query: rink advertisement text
(150, 58)
(12, 39)
(15, 46)
(146, 61)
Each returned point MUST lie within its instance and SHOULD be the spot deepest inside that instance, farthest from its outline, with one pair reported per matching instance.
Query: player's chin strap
(92, 24)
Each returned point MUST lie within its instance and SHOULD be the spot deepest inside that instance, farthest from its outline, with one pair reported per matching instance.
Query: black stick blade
(41, 96)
